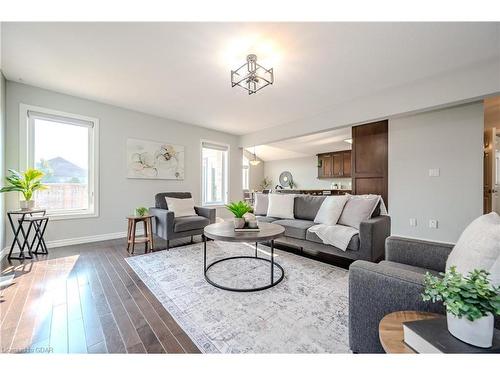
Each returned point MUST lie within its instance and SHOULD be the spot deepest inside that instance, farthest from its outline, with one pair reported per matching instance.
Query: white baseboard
(73, 241)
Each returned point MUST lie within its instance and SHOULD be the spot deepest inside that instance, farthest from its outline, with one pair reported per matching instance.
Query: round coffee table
(225, 232)
(390, 330)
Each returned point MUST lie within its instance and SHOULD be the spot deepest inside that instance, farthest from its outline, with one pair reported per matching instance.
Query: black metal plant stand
(37, 223)
(271, 260)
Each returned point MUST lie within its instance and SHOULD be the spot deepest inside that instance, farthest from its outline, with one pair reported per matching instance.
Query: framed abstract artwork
(154, 160)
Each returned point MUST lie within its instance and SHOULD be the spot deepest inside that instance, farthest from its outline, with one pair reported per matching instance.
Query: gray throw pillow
(261, 203)
(357, 209)
(479, 248)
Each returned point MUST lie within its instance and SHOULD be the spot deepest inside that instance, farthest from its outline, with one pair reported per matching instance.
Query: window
(246, 173)
(214, 181)
(64, 147)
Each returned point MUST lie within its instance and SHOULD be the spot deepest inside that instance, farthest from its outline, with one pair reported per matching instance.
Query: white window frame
(26, 157)
(226, 174)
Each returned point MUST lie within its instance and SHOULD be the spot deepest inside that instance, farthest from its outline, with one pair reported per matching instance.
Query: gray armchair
(376, 289)
(168, 227)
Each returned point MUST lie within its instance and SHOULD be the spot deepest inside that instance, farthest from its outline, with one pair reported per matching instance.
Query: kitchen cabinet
(334, 164)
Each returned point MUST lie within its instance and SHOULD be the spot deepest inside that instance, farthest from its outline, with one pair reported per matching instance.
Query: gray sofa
(368, 245)
(169, 227)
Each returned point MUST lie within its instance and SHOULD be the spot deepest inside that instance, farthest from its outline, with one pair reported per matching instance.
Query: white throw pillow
(281, 206)
(331, 209)
(358, 208)
(479, 248)
(261, 203)
(181, 207)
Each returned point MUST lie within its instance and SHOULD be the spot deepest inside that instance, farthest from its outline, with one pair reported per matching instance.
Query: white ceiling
(182, 70)
(308, 145)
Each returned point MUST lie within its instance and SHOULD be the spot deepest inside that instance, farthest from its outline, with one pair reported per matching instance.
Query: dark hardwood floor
(85, 299)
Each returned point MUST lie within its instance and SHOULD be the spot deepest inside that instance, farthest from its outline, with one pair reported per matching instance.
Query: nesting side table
(147, 239)
(37, 220)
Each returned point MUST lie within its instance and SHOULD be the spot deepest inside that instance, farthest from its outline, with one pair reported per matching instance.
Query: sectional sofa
(367, 245)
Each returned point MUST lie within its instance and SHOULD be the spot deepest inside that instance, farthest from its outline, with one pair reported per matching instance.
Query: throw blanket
(335, 235)
(340, 235)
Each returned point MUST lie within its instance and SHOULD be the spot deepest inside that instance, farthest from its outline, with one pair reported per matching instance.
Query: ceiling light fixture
(255, 161)
(349, 140)
(252, 76)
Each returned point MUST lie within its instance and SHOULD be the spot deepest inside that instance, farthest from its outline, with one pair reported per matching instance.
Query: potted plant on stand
(471, 304)
(26, 183)
(239, 209)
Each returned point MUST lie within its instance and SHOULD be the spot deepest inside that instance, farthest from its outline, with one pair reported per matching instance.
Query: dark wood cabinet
(334, 164)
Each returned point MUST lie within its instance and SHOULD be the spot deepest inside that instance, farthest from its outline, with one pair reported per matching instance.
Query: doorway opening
(491, 186)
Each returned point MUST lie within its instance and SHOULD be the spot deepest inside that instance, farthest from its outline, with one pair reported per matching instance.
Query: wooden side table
(390, 330)
(147, 239)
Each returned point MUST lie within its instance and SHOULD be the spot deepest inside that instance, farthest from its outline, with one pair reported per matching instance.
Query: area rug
(306, 313)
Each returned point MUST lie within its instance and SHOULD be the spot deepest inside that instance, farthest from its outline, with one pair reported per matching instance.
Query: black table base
(272, 283)
(37, 224)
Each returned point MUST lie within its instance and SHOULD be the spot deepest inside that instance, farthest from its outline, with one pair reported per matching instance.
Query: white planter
(239, 222)
(27, 205)
(478, 332)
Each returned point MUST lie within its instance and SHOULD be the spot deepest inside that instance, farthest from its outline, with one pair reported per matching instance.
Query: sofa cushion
(353, 243)
(181, 207)
(281, 205)
(295, 228)
(185, 223)
(160, 201)
(406, 267)
(330, 210)
(479, 248)
(266, 219)
(306, 206)
(358, 208)
(261, 203)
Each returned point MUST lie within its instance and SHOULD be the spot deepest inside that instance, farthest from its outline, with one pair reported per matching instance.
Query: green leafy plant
(26, 183)
(266, 183)
(472, 296)
(239, 208)
(141, 211)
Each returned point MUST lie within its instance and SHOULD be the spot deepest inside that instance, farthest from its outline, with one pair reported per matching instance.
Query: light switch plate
(433, 224)
(434, 172)
(413, 222)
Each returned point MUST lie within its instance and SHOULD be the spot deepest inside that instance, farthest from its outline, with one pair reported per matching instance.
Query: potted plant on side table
(471, 304)
(239, 209)
(26, 183)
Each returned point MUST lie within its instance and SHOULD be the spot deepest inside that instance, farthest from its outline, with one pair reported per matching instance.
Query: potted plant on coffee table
(239, 209)
(471, 304)
(26, 183)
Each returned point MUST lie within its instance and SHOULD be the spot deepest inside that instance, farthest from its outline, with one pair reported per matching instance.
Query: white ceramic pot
(239, 222)
(27, 205)
(478, 332)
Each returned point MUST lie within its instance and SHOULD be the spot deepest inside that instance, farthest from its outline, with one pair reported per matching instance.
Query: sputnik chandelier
(252, 76)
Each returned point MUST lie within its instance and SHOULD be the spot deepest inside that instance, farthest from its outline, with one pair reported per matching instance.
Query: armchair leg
(192, 241)
(168, 244)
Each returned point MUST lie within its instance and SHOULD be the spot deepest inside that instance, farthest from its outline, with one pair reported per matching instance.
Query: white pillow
(331, 209)
(181, 207)
(357, 209)
(261, 203)
(281, 205)
(479, 248)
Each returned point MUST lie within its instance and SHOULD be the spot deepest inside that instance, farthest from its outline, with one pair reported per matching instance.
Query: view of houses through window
(214, 173)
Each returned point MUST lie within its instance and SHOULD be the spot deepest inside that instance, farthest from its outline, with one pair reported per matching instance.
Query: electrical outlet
(434, 172)
(433, 224)
(413, 222)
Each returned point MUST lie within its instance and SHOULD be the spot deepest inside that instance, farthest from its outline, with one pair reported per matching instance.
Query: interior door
(490, 192)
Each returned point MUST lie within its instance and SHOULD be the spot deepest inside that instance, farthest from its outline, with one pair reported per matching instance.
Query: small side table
(147, 239)
(37, 220)
(390, 330)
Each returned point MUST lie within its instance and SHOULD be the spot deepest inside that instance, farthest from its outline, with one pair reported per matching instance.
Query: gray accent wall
(118, 196)
(449, 139)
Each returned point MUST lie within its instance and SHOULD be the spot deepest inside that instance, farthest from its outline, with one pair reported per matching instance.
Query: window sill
(215, 205)
(70, 216)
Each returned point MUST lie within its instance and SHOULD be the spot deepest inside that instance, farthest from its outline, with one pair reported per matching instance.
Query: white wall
(118, 195)
(451, 140)
(2, 159)
(304, 172)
